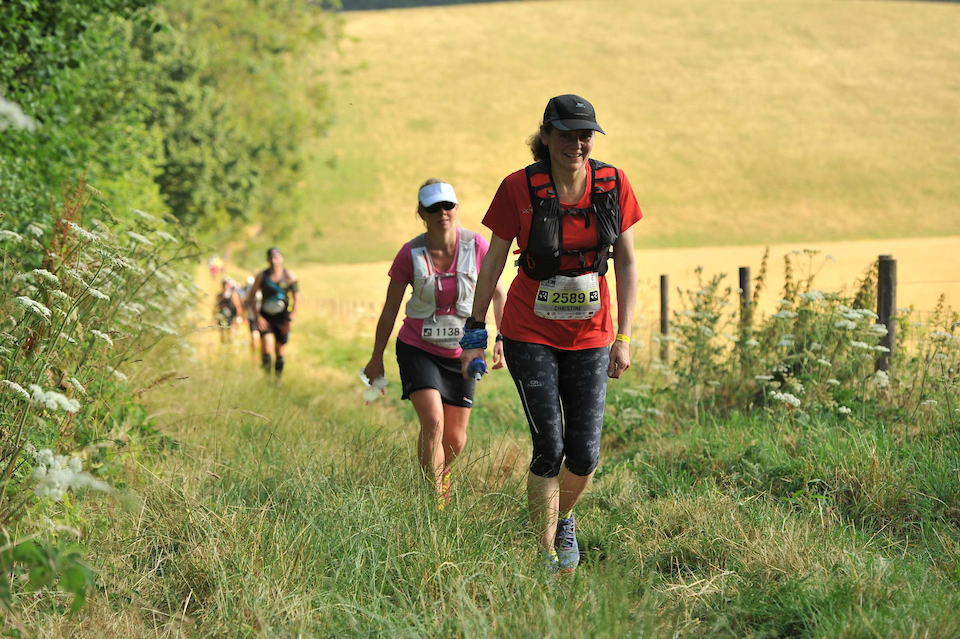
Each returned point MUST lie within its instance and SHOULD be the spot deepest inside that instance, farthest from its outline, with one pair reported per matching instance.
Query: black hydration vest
(541, 258)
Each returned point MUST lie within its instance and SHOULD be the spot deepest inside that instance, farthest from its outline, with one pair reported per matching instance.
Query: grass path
(300, 512)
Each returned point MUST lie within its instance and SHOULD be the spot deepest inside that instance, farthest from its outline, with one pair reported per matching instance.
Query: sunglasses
(436, 208)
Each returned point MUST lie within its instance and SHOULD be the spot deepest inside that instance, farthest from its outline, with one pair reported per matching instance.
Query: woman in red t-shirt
(565, 211)
(442, 266)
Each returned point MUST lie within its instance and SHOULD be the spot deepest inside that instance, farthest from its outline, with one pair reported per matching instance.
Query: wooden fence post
(746, 316)
(664, 318)
(887, 307)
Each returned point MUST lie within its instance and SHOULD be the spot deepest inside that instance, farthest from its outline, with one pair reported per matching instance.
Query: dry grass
(738, 123)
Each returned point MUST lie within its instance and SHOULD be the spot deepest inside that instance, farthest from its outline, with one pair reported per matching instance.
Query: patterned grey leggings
(562, 393)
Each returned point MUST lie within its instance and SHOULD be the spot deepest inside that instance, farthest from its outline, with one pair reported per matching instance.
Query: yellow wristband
(623, 338)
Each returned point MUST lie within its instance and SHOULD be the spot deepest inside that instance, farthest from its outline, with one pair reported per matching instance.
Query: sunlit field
(738, 123)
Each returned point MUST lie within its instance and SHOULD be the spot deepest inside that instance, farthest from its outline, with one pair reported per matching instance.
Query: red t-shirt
(509, 217)
(402, 270)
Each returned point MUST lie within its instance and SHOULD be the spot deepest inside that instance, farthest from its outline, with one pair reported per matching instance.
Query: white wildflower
(786, 340)
(940, 336)
(881, 379)
(738, 291)
(763, 378)
(941, 356)
(136, 237)
(843, 410)
(881, 349)
(928, 402)
(824, 362)
(76, 276)
(13, 117)
(77, 386)
(833, 382)
(853, 316)
(52, 400)
(780, 368)
(786, 398)
(859, 344)
(686, 313)
(46, 276)
(842, 308)
(879, 329)
(144, 215)
(117, 374)
(57, 474)
(60, 295)
(654, 412)
(752, 342)
(33, 306)
(166, 237)
(816, 346)
(98, 295)
(714, 383)
(83, 233)
(845, 324)
(103, 336)
(706, 330)
(812, 296)
(10, 236)
(15, 387)
(34, 230)
(866, 312)
(785, 315)
(732, 338)
(786, 302)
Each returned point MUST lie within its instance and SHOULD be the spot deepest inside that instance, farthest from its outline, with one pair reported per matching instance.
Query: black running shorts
(420, 369)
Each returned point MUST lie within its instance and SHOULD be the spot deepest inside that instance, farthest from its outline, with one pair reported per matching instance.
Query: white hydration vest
(423, 302)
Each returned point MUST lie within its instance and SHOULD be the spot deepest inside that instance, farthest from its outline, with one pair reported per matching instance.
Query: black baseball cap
(571, 113)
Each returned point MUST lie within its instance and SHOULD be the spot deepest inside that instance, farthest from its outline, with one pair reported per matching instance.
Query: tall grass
(717, 510)
(84, 298)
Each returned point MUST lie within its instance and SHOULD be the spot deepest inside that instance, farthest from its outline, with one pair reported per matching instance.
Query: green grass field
(737, 122)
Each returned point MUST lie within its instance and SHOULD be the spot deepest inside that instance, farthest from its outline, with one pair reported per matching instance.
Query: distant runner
(566, 212)
(280, 297)
(441, 265)
(228, 310)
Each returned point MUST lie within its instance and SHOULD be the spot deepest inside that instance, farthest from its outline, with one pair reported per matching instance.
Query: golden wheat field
(739, 123)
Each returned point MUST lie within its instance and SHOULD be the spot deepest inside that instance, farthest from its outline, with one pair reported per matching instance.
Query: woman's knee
(547, 459)
(582, 464)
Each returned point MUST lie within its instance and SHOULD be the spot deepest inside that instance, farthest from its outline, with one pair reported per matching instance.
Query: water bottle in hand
(477, 368)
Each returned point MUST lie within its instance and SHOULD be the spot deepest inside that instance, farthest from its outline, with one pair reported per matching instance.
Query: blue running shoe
(568, 552)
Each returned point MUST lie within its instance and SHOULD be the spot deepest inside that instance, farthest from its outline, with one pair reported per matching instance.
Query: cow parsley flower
(166, 237)
(833, 382)
(866, 312)
(786, 398)
(784, 315)
(10, 236)
(98, 295)
(77, 386)
(143, 215)
(33, 306)
(824, 362)
(136, 237)
(843, 410)
(117, 374)
(928, 402)
(83, 233)
(859, 344)
(881, 349)
(881, 379)
(845, 324)
(751, 342)
(34, 230)
(15, 387)
(879, 329)
(812, 296)
(763, 378)
(103, 336)
(52, 400)
(57, 474)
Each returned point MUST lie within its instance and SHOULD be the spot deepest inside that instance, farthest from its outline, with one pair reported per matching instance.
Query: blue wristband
(474, 338)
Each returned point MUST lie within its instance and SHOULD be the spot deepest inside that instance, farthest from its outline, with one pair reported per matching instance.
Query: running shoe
(444, 497)
(550, 563)
(565, 542)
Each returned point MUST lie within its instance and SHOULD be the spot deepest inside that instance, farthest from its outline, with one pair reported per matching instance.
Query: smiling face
(569, 150)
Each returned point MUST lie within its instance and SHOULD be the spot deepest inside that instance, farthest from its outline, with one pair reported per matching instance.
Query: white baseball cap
(437, 192)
